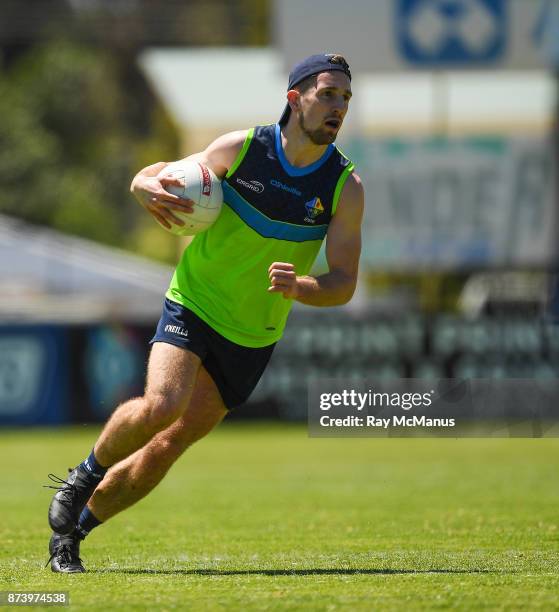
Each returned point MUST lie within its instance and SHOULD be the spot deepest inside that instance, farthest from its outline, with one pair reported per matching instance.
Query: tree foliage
(77, 119)
(73, 134)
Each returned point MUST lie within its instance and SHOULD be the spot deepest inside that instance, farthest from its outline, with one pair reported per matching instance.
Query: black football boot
(65, 554)
(70, 499)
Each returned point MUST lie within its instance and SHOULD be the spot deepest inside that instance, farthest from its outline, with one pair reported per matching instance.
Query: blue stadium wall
(54, 374)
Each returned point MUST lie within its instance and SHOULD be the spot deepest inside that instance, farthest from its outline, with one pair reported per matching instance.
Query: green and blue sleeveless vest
(272, 211)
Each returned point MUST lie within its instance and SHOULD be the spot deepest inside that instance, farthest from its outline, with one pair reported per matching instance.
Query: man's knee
(161, 411)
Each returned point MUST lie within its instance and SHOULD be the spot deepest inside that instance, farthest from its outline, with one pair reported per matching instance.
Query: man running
(286, 187)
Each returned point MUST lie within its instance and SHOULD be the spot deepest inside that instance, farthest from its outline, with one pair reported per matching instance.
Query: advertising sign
(33, 375)
(400, 35)
(456, 203)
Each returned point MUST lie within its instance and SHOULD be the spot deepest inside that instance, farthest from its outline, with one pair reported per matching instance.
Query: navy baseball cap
(314, 64)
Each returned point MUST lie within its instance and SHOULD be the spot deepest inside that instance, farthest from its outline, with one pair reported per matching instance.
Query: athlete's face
(322, 107)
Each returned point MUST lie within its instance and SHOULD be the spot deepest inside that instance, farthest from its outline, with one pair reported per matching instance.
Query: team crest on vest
(314, 208)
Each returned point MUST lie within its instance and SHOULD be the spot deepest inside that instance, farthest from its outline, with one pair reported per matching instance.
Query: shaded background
(451, 128)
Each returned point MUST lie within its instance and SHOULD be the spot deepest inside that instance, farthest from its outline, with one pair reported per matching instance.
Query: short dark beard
(318, 136)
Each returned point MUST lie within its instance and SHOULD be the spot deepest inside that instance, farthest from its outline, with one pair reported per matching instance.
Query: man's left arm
(343, 247)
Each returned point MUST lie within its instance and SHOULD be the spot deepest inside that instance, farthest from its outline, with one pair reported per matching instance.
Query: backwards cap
(314, 64)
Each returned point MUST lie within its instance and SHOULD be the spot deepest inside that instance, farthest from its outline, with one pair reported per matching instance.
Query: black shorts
(235, 369)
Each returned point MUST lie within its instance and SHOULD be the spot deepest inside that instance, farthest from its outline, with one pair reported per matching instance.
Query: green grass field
(261, 517)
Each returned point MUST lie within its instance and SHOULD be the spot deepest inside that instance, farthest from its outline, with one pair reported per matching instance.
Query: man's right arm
(150, 190)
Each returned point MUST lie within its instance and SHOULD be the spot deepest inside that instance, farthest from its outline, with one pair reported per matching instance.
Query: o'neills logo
(176, 329)
(255, 186)
(206, 181)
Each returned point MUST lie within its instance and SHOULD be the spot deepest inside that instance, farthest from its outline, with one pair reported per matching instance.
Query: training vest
(272, 211)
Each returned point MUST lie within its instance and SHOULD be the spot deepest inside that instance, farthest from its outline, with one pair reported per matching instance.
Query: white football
(201, 186)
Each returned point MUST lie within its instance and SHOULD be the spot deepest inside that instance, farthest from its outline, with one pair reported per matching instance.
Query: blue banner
(33, 375)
